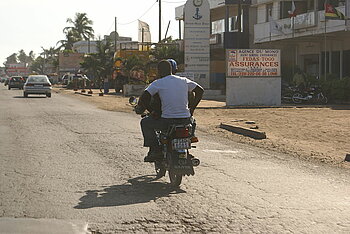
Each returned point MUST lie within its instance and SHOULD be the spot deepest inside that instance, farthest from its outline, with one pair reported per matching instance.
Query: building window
(269, 8)
(300, 8)
(233, 22)
(218, 26)
(346, 61)
(334, 3)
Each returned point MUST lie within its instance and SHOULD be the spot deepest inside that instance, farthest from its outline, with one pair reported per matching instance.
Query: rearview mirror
(133, 101)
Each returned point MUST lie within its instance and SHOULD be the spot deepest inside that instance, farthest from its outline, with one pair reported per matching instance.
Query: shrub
(335, 88)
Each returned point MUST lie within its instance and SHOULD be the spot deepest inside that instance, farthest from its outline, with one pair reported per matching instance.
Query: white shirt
(173, 92)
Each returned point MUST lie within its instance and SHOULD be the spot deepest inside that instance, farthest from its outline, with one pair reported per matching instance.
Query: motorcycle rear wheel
(175, 179)
(160, 169)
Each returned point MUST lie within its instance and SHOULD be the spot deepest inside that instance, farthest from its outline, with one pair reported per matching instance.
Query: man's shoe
(153, 155)
(149, 158)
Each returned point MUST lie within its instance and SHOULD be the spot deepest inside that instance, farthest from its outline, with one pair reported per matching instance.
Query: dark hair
(164, 68)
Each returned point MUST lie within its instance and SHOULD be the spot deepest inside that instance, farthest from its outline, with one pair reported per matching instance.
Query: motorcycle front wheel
(324, 100)
(297, 98)
(175, 179)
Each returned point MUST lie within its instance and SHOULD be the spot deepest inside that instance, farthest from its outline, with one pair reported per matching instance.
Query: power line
(174, 2)
(140, 16)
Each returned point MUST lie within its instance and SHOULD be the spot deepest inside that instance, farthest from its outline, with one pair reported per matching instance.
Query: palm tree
(67, 44)
(50, 56)
(100, 64)
(81, 26)
(168, 49)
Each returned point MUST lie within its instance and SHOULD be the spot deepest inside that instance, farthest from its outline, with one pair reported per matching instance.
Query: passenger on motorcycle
(175, 109)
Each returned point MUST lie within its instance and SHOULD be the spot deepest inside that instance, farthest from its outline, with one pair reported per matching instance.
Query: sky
(32, 24)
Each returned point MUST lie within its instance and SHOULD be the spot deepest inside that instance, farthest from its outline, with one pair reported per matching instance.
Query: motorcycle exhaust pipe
(195, 162)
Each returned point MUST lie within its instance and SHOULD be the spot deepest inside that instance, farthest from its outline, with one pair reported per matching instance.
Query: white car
(37, 84)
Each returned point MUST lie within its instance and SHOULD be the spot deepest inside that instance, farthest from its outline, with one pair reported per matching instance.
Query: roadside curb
(258, 135)
(84, 94)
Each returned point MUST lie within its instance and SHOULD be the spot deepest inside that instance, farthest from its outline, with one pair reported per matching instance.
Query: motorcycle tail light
(182, 132)
(194, 139)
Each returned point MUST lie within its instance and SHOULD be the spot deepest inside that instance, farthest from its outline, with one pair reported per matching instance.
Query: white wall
(261, 14)
(261, 91)
(276, 10)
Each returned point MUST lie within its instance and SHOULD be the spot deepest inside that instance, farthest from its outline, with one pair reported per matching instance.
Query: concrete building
(85, 47)
(316, 45)
(308, 41)
(69, 62)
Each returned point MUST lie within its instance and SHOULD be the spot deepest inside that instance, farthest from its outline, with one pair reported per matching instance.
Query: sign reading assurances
(253, 62)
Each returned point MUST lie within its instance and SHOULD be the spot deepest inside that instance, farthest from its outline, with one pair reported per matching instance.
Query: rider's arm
(198, 94)
(145, 101)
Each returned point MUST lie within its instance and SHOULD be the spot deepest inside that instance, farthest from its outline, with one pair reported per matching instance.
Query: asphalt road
(64, 159)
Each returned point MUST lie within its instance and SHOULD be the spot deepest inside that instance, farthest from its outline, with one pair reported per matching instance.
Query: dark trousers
(150, 124)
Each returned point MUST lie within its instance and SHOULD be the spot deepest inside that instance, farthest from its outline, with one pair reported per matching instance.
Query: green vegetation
(101, 64)
(334, 88)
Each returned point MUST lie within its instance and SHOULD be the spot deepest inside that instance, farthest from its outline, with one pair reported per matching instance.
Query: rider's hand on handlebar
(139, 109)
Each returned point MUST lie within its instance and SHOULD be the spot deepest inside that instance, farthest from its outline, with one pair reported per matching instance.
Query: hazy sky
(32, 24)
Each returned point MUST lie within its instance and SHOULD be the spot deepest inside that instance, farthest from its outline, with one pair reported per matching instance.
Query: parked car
(67, 78)
(16, 82)
(37, 84)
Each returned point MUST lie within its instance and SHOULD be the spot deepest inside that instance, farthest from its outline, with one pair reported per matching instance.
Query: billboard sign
(253, 63)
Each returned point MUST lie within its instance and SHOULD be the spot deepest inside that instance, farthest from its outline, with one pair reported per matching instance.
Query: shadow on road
(137, 190)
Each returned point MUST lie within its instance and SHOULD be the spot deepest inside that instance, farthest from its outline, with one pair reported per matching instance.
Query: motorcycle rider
(173, 92)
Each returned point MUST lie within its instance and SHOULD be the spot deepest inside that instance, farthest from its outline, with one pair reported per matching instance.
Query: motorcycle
(175, 143)
(313, 94)
(288, 92)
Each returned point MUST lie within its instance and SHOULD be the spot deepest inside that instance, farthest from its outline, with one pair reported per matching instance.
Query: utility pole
(180, 29)
(115, 34)
(160, 20)
(166, 33)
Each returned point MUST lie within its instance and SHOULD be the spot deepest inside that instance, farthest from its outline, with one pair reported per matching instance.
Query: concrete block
(133, 90)
(244, 131)
(347, 158)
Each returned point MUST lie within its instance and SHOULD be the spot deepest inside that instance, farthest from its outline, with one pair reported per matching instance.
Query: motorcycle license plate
(182, 143)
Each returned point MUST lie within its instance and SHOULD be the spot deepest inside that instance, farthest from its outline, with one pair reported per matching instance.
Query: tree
(100, 64)
(67, 44)
(133, 63)
(30, 57)
(22, 56)
(81, 28)
(38, 65)
(50, 56)
(11, 59)
(168, 48)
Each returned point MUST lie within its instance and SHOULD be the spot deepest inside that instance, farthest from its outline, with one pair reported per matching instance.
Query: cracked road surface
(64, 159)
